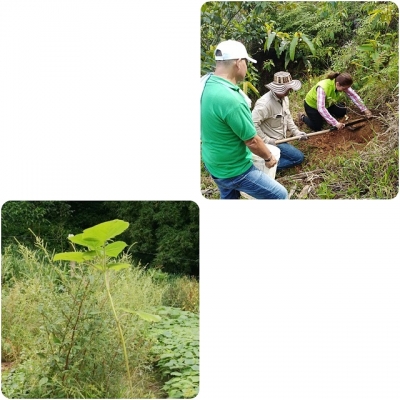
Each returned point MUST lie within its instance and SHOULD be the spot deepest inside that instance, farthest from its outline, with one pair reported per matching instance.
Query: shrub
(176, 351)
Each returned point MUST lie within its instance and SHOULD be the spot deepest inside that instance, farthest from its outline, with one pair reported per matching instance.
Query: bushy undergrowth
(176, 351)
(59, 332)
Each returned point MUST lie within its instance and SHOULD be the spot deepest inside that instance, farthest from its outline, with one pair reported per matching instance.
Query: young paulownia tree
(100, 252)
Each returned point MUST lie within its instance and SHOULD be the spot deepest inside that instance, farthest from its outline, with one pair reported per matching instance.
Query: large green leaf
(70, 256)
(148, 317)
(293, 45)
(106, 230)
(118, 266)
(271, 37)
(113, 249)
(253, 88)
(309, 44)
(89, 242)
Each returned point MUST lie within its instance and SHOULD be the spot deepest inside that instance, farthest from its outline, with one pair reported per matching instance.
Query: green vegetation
(309, 39)
(166, 232)
(100, 250)
(177, 351)
(62, 332)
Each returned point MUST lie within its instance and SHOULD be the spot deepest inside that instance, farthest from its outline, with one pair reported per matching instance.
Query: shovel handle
(307, 135)
(317, 133)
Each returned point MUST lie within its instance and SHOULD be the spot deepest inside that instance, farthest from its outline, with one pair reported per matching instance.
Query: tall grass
(59, 331)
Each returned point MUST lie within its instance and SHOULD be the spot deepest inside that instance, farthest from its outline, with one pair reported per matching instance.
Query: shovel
(348, 124)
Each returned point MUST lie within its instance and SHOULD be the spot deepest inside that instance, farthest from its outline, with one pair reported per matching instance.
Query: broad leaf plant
(100, 254)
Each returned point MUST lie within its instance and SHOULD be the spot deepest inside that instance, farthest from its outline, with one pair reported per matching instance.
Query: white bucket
(260, 163)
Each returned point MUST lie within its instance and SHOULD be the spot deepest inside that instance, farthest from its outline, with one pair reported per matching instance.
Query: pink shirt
(354, 97)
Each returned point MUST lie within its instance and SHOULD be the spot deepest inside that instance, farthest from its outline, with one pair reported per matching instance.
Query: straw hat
(282, 82)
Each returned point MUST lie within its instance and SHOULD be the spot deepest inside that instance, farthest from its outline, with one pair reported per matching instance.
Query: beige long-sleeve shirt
(272, 118)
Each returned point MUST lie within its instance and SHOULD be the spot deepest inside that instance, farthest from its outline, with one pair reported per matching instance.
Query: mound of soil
(334, 143)
(341, 141)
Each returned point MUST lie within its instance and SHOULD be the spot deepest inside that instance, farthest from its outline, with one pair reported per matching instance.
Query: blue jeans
(253, 182)
(290, 156)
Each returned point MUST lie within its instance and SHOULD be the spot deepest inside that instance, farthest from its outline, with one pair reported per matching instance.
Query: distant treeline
(165, 233)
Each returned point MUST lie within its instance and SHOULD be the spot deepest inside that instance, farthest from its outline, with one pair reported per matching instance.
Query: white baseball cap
(231, 50)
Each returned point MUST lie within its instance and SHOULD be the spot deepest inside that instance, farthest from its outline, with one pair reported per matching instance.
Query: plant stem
(121, 334)
(74, 329)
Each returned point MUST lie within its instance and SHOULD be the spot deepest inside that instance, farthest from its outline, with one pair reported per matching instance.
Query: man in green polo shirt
(228, 135)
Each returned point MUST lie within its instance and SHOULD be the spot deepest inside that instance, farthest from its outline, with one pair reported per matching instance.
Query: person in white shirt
(273, 120)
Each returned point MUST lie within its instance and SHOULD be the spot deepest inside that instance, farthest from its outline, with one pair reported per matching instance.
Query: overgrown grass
(59, 332)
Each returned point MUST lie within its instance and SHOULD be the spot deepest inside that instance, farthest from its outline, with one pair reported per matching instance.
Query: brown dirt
(337, 142)
(341, 141)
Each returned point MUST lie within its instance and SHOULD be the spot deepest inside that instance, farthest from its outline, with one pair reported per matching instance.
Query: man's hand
(272, 141)
(302, 136)
(271, 162)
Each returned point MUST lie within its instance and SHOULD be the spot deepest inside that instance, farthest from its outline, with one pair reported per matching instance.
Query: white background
(99, 101)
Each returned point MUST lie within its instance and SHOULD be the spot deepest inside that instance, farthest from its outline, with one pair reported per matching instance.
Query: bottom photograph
(100, 299)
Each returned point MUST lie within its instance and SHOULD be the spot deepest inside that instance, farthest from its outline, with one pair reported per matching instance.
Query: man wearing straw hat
(273, 121)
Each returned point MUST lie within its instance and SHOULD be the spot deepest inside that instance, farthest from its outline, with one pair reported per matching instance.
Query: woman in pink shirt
(322, 103)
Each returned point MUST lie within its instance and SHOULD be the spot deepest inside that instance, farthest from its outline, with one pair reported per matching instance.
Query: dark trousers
(314, 119)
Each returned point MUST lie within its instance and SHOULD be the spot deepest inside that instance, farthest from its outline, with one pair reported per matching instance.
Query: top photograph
(299, 100)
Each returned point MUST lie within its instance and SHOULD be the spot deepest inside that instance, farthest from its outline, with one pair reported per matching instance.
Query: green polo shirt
(226, 122)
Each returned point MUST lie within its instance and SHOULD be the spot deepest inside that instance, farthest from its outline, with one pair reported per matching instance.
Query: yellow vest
(332, 96)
